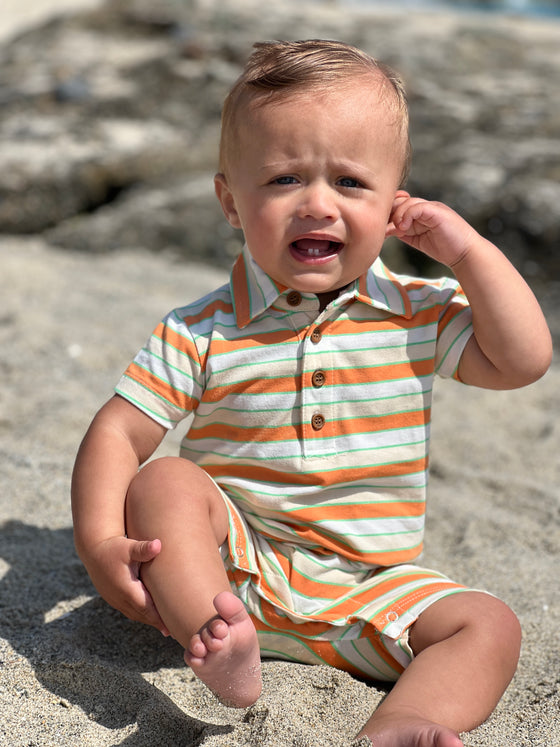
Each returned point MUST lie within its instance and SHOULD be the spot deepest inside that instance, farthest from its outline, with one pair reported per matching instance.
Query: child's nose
(318, 201)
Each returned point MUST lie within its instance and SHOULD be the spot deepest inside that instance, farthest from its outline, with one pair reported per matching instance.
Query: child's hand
(431, 227)
(114, 568)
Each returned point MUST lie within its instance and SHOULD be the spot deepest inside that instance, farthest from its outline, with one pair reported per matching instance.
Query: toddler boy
(289, 525)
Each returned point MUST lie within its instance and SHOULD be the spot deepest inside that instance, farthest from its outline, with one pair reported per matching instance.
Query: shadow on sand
(91, 656)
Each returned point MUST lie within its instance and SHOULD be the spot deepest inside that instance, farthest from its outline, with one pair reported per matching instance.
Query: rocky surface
(110, 118)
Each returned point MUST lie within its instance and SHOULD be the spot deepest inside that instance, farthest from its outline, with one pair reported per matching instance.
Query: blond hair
(282, 68)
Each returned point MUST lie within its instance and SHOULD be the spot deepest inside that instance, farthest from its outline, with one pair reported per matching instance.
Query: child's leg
(174, 501)
(466, 650)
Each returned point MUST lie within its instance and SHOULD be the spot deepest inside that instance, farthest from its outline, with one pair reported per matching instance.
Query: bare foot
(225, 654)
(409, 731)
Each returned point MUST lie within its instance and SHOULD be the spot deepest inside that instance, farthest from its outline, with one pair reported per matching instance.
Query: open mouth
(315, 248)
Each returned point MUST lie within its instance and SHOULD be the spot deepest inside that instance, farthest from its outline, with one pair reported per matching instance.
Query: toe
(211, 642)
(197, 647)
(218, 628)
(230, 607)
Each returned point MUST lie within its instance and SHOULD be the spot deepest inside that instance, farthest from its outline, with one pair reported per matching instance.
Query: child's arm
(120, 438)
(511, 345)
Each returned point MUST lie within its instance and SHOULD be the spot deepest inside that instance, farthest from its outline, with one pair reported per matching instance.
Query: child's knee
(498, 622)
(498, 633)
(173, 487)
(153, 478)
(509, 630)
(487, 618)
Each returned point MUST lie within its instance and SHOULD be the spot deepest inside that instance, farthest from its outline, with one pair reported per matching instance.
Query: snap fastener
(317, 422)
(318, 378)
(293, 298)
(240, 552)
(316, 335)
(392, 616)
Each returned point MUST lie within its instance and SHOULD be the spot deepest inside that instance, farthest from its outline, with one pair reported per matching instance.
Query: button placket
(316, 394)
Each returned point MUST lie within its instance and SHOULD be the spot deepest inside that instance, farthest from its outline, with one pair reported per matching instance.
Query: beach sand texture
(75, 672)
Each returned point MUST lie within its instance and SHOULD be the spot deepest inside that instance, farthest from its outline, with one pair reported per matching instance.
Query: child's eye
(285, 180)
(348, 182)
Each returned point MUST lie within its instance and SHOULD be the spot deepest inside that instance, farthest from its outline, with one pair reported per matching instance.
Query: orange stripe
(162, 388)
(392, 323)
(278, 385)
(306, 585)
(451, 312)
(324, 479)
(208, 312)
(333, 512)
(339, 377)
(384, 372)
(275, 337)
(173, 339)
(323, 649)
(359, 600)
(227, 432)
(324, 544)
(181, 344)
(409, 600)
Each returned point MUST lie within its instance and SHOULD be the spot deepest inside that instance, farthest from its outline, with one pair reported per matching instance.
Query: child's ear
(401, 196)
(224, 195)
(402, 193)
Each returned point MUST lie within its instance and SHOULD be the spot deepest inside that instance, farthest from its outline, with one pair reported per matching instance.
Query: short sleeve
(165, 378)
(454, 331)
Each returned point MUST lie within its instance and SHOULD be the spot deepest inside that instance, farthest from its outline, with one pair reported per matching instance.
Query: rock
(182, 216)
(54, 168)
(110, 121)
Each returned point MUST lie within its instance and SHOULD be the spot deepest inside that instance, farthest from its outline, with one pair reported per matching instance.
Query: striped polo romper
(315, 427)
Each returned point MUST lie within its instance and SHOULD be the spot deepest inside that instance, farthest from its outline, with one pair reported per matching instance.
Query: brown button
(293, 298)
(317, 422)
(316, 335)
(318, 378)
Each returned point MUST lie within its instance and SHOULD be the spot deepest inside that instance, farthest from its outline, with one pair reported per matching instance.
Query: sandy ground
(73, 671)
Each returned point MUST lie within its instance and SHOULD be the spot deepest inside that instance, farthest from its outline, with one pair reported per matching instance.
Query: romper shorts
(313, 608)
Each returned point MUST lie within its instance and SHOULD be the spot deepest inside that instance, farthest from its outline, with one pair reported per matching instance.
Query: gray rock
(110, 121)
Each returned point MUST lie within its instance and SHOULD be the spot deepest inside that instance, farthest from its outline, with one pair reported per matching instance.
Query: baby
(290, 522)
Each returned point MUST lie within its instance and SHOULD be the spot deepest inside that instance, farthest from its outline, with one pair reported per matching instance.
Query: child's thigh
(172, 495)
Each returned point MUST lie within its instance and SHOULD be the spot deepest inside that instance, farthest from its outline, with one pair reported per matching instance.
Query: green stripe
(453, 343)
(257, 461)
(275, 426)
(246, 366)
(142, 406)
(166, 363)
(370, 663)
(332, 388)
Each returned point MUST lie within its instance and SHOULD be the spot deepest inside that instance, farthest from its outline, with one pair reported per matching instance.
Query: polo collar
(253, 291)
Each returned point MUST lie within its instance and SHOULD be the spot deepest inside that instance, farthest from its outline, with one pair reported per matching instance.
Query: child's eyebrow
(342, 168)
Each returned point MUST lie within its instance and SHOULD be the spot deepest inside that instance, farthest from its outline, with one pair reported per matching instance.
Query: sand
(75, 672)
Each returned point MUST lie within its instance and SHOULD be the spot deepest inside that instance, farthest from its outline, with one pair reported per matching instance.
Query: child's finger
(144, 608)
(142, 551)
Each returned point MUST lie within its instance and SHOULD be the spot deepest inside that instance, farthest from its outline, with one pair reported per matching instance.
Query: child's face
(312, 184)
